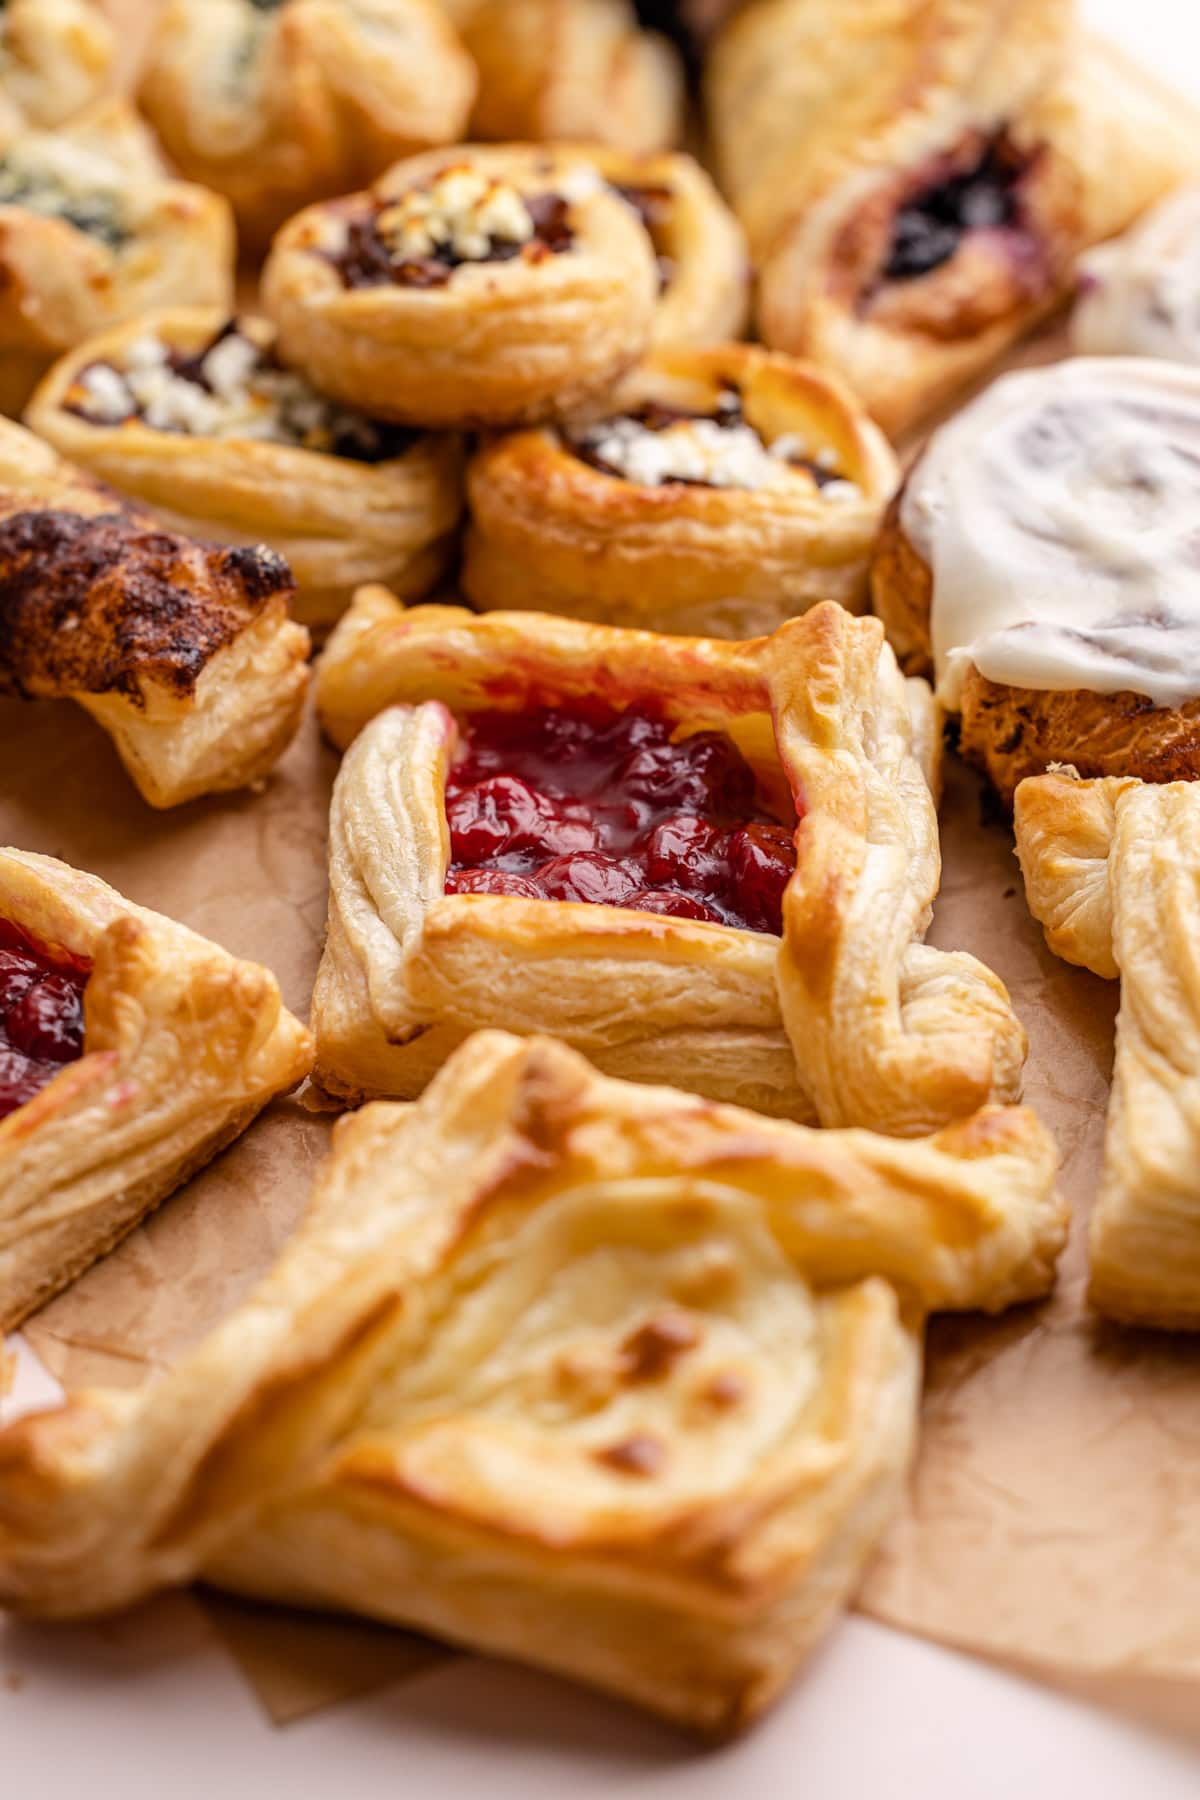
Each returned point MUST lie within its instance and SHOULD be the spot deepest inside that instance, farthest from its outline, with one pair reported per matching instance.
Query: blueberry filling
(932, 222)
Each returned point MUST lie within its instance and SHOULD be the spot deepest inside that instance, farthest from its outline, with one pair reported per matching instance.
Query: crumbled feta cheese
(108, 399)
(464, 212)
(700, 450)
(229, 366)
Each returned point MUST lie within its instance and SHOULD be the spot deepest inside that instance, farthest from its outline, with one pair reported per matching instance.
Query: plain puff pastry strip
(720, 492)
(279, 104)
(93, 231)
(605, 1378)
(482, 285)
(182, 1046)
(56, 58)
(553, 69)
(239, 450)
(918, 186)
(853, 1020)
(1112, 871)
(185, 655)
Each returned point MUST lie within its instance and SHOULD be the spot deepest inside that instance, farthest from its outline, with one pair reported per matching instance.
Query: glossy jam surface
(983, 196)
(605, 808)
(41, 1015)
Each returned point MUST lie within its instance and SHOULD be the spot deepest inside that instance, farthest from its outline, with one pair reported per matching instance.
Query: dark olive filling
(933, 221)
(653, 203)
(367, 260)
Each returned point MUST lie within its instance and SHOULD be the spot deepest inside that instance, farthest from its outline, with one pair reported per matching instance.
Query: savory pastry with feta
(185, 654)
(192, 414)
(473, 286)
(93, 231)
(1041, 556)
(553, 69)
(605, 1378)
(1112, 870)
(56, 58)
(725, 491)
(276, 103)
(696, 861)
(917, 189)
(1138, 295)
(131, 1052)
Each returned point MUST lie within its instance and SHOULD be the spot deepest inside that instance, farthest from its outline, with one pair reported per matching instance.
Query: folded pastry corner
(131, 1052)
(601, 1377)
(185, 654)
(698, 861)
(57, 59)
(1112, 871)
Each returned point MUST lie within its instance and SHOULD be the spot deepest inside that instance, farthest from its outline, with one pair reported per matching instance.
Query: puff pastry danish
(92, 231)
(613, 851)
(131, 1052)
(276, 103)
(917, 188)
(552, 69)
(724, 491)
(185, 655)
(56, 58)
(1112, 870)
(191, 413)
(1137, 294)
(473, 286)
(1040, 555)
(604, 1378)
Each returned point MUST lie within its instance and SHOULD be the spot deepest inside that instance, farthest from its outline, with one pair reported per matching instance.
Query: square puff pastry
(185, 655)
(601, 1377)
(56, 57)
(183, 1045)
(1112, 871)
(851, 1021)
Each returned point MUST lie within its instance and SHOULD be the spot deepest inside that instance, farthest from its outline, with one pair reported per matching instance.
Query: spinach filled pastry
(276, 103)
(1040, 557)
(131, 1052)
(695, 861)
(721, 492)
(191, 413)
(1112, 870)
(604, 1378)
(184, 654)
(56, 59)
(473, 286)
(92, 231)
(553, 69)
(918, 186)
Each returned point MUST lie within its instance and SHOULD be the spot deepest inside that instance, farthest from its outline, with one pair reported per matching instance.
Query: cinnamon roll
(1138, 294)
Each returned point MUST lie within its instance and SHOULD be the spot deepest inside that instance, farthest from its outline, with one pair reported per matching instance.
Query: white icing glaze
(1060, 516)
(1140, 294)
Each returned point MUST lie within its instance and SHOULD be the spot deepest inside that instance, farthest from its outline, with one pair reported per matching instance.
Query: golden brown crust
(902, 592)
(549, 531)
(57, 60)
(852, 1020)
(276, 109)
(649, 1365)
(337, 521)
(183, 1046)
(185, 654)
(498, 343)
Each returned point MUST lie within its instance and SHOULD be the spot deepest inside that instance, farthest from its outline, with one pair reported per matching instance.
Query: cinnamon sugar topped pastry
(56, 58)
(1042, 556)
(1138, 294)
(276, 103)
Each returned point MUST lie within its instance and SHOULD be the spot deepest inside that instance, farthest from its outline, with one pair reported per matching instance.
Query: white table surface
(153, 1708)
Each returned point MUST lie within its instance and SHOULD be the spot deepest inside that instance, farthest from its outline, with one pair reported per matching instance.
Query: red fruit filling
(41, 1015)
(607, 809)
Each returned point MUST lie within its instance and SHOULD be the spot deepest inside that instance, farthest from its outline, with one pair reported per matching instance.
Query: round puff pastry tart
(604, 833)
(648, 1367)
(92, 231)
(276, 103)
(56, 58)
(473, 286)
(192, 414)
(552, 69)
(1112, 870)
(728, 490)
(184, 654)
(131, 1052)
(917, 190)
(1041, 556)
(1137, 295)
